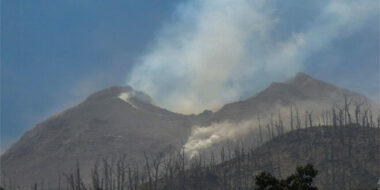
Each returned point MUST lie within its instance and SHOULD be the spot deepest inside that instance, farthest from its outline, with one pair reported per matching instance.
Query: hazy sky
(54, 53)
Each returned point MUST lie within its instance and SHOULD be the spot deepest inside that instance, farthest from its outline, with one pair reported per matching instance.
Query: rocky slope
(302, 91)
(115, 121)
(346, 158)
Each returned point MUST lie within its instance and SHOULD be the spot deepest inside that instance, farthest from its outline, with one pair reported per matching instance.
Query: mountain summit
(299, 78)
(301, 90)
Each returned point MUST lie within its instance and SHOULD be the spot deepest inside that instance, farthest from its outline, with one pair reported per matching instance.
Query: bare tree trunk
(310, 120)
(260, 130)
(291, 117)
(148, 172)
(298, 119)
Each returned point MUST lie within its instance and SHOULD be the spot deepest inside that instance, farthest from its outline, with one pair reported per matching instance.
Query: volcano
(121, 121)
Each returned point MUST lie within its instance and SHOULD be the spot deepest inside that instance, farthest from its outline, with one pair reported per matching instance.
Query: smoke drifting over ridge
(203, 138)
(217, 50)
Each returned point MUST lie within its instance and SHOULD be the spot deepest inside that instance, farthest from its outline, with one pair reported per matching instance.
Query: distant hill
(121, 121)
(346, 158)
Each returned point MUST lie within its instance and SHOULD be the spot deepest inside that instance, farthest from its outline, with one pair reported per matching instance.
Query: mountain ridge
(300, 88)
(107, 123)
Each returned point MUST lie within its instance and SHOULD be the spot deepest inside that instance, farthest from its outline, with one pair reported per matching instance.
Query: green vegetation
(302, 179)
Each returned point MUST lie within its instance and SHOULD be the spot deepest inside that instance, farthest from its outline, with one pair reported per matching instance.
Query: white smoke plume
(216, 51)
(202, 138)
